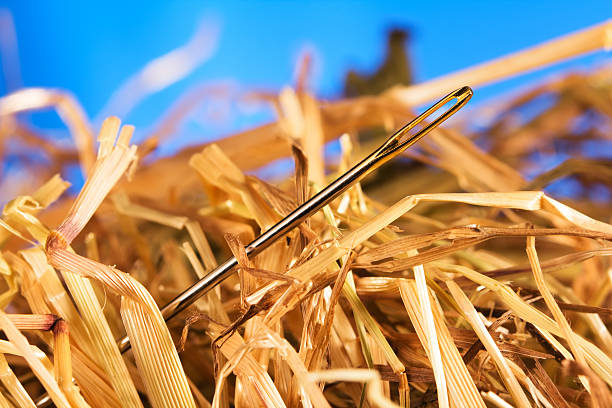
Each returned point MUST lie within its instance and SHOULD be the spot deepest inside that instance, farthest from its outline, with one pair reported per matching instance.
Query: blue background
(91, 48)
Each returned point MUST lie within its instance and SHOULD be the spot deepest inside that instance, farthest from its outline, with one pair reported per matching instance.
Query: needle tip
(464, 92)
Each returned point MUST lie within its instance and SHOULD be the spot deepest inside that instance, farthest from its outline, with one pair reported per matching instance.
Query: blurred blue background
(92, 48)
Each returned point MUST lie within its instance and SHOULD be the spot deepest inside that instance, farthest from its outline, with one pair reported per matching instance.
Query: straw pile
(449, 280)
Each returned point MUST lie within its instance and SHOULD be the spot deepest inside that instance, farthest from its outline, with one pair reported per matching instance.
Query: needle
(394, 145)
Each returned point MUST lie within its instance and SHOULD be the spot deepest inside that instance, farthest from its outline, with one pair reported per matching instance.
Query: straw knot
(55, 241)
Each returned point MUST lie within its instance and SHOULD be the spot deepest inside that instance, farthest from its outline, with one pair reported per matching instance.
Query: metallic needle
(394, 145)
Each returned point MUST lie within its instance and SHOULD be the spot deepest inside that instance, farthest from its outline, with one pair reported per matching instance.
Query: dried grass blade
(110, 166)
(68, 109)
(32, 321)
(164, 70)
(593, 319)
(145, 326)
(540, 378)
(505, 372)
(40, 282)
(124, 206)
(49, 192)
(370, 377)
(115, 155)
(313, 139)
(554, 307)
(321, 339)
(156, 355)
(102, 338)
(247, 367)
(370, 324)
(591, 39)
(22, 210)
(313, 394)
(461, 387)
(213, 302)
(13, 385)
(90, 326)
(430, 332)
(63, 365)
(201, 243)
(217, 170)
(41, 372)
(11, 282)
(596, 358)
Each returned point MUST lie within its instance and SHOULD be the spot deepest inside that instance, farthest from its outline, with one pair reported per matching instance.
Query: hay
(423, 286)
